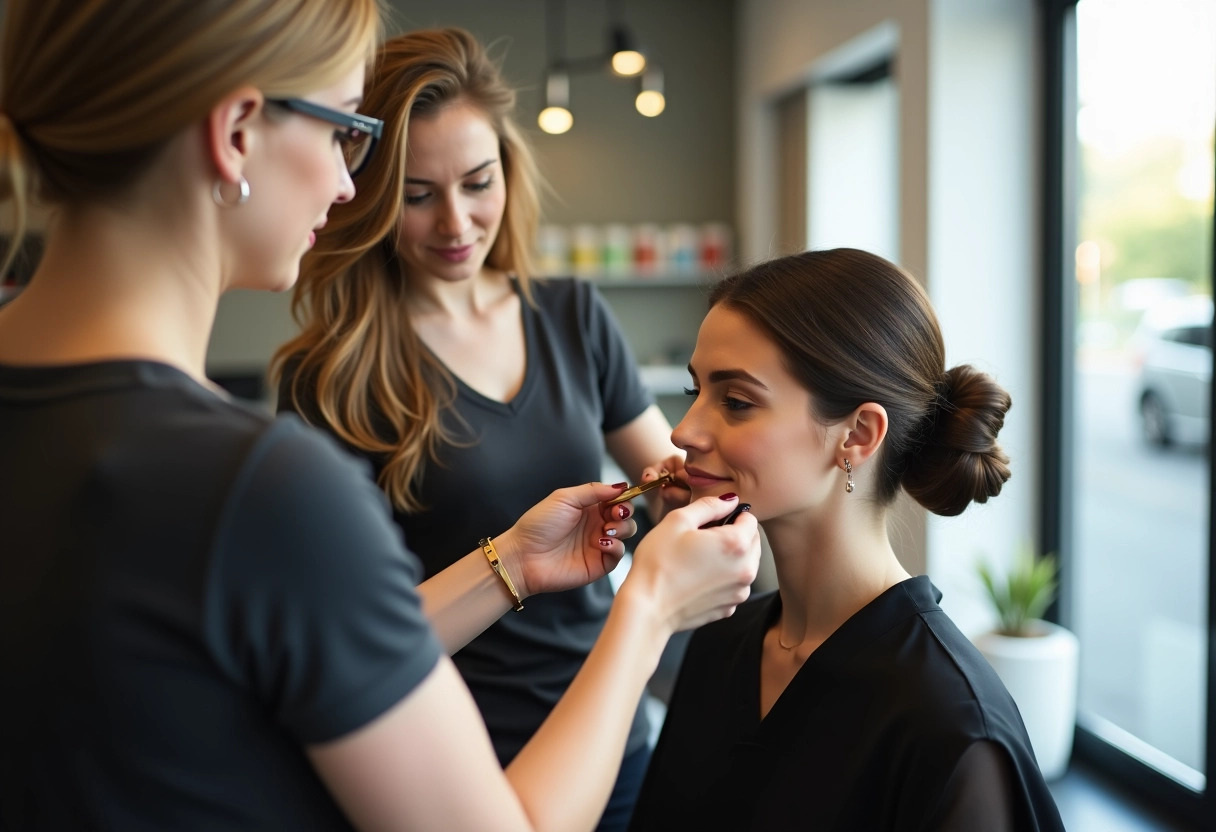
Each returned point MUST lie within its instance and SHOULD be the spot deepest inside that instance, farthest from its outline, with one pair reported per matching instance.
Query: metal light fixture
(556, 118)
(627, 61)
(623, 56)
(651, 101)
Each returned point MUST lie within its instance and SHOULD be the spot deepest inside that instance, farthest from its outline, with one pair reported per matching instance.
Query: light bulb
(628, 62)
(650, 103)
(555, 120)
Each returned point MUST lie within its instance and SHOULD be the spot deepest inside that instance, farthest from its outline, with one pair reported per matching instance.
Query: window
(1131, 102)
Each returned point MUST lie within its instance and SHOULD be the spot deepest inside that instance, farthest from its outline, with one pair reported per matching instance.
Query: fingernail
(611, 532)
(623, 511)
(620, 485)
(605, 542)
(729, 495)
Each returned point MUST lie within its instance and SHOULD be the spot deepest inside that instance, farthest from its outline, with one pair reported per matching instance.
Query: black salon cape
(865, 737)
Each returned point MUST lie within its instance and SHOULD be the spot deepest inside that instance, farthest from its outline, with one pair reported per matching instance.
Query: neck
(472, 298)
(117, 285)
(827, 570)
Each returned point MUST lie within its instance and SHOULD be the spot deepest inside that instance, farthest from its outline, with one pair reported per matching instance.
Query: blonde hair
(374, 383)
(90, 93)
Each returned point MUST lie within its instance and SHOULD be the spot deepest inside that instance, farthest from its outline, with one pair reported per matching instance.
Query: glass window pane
(1146, 75)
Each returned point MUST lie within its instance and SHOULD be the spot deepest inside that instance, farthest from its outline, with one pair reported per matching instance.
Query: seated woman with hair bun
(847, 699)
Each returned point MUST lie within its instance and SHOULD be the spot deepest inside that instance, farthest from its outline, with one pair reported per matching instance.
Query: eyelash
(729, 402)
(476, 187)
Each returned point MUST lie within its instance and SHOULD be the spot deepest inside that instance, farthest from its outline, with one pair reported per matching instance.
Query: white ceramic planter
(1040, 672)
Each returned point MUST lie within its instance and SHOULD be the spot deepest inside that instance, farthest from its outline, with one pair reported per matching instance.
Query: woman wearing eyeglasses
(429, 347)
(207, 619)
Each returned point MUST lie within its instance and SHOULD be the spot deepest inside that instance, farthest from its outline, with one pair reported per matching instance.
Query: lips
(698, 478)
(457, 254)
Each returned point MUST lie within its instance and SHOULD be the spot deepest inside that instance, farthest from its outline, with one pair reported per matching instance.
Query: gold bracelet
(487, 546)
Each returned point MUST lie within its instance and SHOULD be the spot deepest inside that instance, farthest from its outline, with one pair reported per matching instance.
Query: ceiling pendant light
(556, 118)
(651, 101)
(627, 61)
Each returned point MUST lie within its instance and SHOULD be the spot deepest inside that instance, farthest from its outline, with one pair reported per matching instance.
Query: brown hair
(371, 380)
(92, 92)
(855, 328)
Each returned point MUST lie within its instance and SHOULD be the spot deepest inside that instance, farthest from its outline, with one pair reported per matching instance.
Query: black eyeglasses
(357, 136)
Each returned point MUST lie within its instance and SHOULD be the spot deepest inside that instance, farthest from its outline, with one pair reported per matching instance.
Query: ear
(864, 431)
(230, 131)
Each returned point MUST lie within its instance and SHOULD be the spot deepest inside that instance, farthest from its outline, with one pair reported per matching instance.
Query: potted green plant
(1036, 659)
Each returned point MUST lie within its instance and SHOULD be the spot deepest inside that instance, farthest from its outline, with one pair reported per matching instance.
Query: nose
(346, 185)
(689, 434)
(454, 219)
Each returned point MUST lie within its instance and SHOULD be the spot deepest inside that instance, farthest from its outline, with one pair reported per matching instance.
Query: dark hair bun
(960, 461)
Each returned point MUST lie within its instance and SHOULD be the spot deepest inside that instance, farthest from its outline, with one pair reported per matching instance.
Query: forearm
(564, 775)
(464, 599)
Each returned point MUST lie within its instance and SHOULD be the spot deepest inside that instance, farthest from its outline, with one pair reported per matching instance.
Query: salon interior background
(720, 153)
(741, 142)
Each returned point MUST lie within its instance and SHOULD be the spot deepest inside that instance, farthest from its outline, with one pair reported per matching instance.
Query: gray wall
(615, 165)
(966, 71)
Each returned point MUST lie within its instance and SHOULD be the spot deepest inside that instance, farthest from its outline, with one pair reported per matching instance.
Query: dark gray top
(896, 723)
(581, 382)
(189, 593)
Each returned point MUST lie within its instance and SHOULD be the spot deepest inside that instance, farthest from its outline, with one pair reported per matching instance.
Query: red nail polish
(605, 542)
(729, 495)
(620, 485)
(623, 511)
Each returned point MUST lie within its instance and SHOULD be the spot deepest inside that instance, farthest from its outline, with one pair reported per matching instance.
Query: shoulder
(562, 293)
(576, 307)
(291, 466)
(938, 685)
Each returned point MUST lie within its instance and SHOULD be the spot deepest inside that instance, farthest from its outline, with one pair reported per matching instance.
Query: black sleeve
(979, 793)
(621, 389)
(310, 597)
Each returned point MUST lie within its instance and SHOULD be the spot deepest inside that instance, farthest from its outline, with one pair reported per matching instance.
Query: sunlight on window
(1146, 75)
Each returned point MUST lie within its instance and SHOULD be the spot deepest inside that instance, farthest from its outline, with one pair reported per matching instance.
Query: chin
(280, 283)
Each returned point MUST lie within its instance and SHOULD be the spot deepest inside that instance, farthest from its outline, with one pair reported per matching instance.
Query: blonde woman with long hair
(429, 348)
(207, 619)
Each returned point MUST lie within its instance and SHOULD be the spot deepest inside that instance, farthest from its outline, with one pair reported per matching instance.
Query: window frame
(1057, 509)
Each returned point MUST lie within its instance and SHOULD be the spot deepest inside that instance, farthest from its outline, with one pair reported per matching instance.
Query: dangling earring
(848, 469)
(218, 195)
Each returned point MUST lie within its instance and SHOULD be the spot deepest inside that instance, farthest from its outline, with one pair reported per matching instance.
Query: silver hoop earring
(848, 469)
(218, 195)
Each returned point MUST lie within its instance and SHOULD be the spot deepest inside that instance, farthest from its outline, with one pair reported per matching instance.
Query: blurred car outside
(1173, 347)
(1143, 293)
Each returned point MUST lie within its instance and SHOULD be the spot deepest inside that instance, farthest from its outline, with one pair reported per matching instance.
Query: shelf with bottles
(676, 255)
(644, 280)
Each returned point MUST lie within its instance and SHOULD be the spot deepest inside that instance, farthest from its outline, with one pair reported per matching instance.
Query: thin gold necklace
(784, 646)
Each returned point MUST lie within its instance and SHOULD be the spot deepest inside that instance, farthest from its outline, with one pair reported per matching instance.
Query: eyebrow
(730, 375)
(409, 180)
